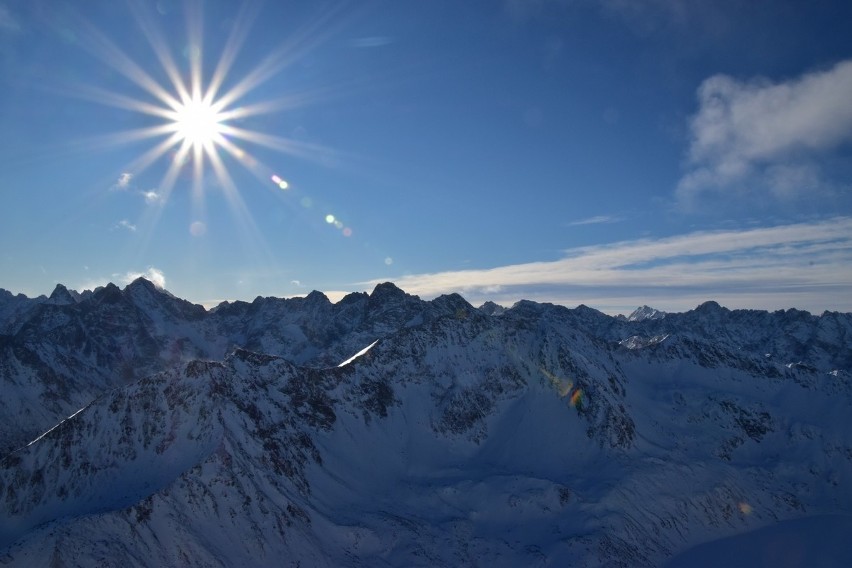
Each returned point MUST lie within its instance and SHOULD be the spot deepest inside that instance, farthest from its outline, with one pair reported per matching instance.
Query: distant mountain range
(385, 430)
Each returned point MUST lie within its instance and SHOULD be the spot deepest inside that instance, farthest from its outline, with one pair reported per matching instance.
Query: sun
(199, 110)
(198, 123)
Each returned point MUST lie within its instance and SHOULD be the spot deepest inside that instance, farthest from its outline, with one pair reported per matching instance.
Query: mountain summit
(61, 295)
(645, 313)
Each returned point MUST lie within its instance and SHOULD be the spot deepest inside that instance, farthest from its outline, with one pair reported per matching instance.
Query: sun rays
(206, 119)
(196, 119)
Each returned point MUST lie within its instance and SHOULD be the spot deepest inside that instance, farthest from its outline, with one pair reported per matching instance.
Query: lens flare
(561, 386)
(577, 398)
(282, 184)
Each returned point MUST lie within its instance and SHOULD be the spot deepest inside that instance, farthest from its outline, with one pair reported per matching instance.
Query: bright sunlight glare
(198, 123)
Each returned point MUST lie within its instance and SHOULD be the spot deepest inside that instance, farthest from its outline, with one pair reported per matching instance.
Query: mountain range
(385, 430)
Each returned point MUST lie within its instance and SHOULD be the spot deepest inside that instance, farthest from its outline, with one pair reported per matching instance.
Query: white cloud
(125, 224)
(804, 265)
(123, 182)
(155, 275)
(765, 135)
(152, 197)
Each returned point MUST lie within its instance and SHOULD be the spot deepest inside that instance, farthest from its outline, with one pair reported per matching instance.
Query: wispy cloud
(125, 224)
(763, 135)
(804, 265)
(123, 182)
(8, 22)
(598, 219)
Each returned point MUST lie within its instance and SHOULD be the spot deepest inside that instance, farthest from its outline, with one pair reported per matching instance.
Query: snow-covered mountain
(56, 356)
(644, 313)
(534, 435)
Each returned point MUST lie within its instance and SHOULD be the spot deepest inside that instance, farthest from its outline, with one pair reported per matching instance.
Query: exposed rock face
(460, 437)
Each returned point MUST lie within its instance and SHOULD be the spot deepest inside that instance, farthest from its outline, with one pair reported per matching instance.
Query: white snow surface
(360, 353)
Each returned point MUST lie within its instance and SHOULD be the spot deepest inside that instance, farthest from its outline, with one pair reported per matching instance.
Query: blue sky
(612, 152)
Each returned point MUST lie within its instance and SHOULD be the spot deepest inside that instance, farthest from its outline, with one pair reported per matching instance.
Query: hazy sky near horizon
(611, 152)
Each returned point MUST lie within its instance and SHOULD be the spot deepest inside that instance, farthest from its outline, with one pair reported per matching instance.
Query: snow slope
(818, 542)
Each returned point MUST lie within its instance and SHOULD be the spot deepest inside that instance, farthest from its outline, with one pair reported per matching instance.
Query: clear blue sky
(612, 152)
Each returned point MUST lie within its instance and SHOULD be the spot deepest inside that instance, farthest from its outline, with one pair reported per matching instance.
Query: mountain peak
(109, 294)
(646, 313)
(317, 297)
(489, 308)
(353, 298)
(385, 293)
(142, 282)
(452, 303)
(62, 296)
(709, 307)
(387, 290)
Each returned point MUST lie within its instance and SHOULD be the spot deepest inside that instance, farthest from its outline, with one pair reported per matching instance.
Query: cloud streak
(766, 135)
(596, 220)
(372, 41)
(804, 265)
